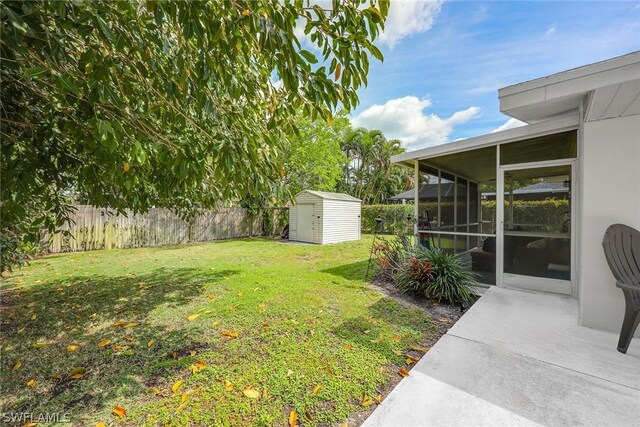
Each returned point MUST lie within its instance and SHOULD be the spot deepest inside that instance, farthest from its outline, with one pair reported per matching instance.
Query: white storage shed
(322, 217)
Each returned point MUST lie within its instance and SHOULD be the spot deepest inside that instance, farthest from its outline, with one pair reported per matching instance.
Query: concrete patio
(519, 358)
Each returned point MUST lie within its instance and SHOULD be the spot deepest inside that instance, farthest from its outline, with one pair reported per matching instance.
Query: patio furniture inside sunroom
(504, 206)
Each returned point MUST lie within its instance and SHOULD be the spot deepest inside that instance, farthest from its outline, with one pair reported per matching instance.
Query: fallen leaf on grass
(31, 383)
(30, 424)
(251, 393)
(228, 385)
(77, 373)
(410, 359)
(16, 365)
(177, 385)
(156, 392)
(233, 307)
(215, 323)
(211, 297)
(41, 344)
(293, 419)
(119, 411)
(307, 415)
(128, 337)
(130, 325)
(240, 294)
(119, 323)
(34, 317)
(379, 399)
(347, 347)
(262, 308)
(230, 334)
(403, 372)
(183, 404)
(150, 343)
(418, 348)
(21, 330)
(193, 317)
(397, 338)
(104, 343)
(366, 400)
(101, 424)
(316, 389)
(198, 366)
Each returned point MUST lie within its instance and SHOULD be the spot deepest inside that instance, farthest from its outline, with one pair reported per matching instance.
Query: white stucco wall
(609, 192)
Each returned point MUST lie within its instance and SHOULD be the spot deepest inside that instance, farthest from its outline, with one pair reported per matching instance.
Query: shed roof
(331, 196)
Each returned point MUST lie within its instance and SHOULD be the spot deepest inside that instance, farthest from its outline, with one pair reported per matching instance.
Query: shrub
(390, 255)
(436, 274)
(394, 218)
(413, 275)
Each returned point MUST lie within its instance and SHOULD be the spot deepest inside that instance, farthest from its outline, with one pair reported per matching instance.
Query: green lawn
(304, 319)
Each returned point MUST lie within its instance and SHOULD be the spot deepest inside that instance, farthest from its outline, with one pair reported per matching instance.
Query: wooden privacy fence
(96, 228)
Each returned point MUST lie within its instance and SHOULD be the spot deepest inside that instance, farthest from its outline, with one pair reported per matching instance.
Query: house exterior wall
(609, 192)
(317, 202)
(341, 221)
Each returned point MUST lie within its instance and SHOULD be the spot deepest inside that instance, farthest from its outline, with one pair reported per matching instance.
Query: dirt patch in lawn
(444, 317)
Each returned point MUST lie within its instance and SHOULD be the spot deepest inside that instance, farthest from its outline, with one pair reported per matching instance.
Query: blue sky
(444, 62)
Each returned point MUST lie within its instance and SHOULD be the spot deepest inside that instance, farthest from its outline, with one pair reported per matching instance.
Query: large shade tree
(313, 159)
(136, 104)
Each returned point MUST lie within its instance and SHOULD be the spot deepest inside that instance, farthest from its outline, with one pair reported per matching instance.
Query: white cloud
(509, 124)
(404, 119)
(551, 31)
(409, 17)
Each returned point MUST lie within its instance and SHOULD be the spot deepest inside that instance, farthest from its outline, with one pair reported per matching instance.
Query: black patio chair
(621, 245)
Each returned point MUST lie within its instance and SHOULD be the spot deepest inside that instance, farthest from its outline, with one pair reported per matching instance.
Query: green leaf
(68, 84)
(310, 57)
(384, 8)
(104, 27)
(34, 72)
(376, 52)
(15, 20)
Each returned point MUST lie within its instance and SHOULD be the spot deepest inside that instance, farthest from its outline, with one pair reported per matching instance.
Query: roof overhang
(609, 88)
(548, 127)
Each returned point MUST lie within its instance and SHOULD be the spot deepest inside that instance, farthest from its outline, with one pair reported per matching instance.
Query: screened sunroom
(503, 203)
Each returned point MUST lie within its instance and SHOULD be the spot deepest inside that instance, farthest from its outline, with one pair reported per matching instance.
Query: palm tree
(369, 173)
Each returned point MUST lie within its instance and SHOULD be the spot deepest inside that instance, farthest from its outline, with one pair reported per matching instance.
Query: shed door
(305, 223)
